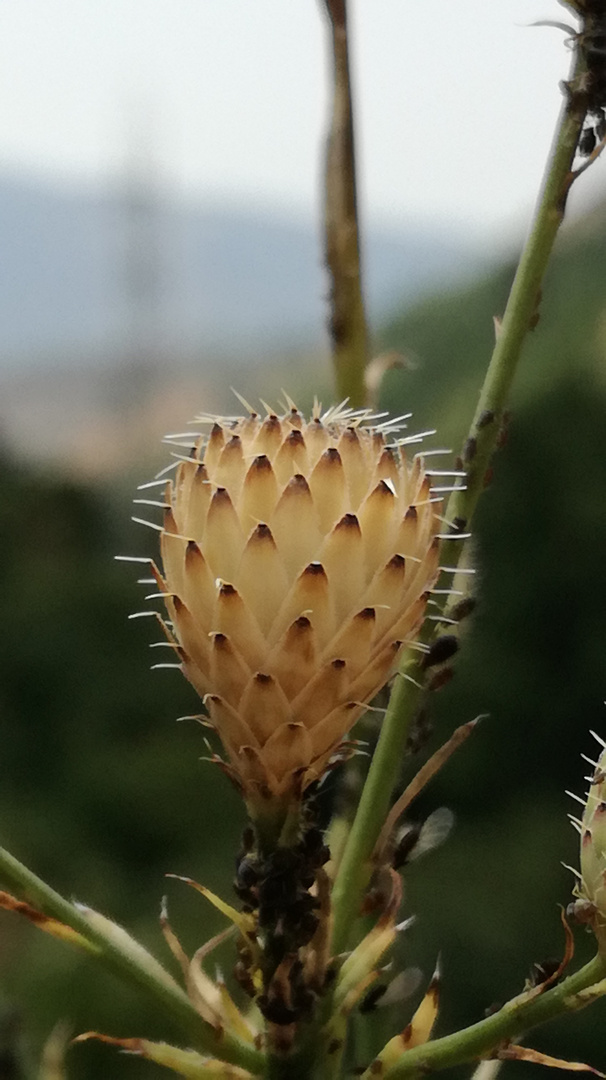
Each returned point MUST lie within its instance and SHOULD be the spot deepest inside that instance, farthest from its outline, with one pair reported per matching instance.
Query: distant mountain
(99, 275)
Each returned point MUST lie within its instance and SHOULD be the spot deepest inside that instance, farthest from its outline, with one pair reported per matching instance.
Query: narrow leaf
(524, 1053)
(186, 1063)
(417, 1032)
(244, 922)
(45, 922)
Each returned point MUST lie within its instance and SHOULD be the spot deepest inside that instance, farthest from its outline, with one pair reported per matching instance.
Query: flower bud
(297, 558)
(591, 888)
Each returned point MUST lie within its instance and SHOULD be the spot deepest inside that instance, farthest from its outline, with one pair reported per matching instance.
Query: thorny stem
(348, 326)
(487, 1035)
(167, 996)
(520, 314)
(373, 807)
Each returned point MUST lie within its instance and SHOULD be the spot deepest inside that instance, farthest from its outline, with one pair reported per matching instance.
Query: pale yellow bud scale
(297, 557)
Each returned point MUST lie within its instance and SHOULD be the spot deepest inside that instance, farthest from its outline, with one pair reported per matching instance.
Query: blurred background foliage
(102, 793)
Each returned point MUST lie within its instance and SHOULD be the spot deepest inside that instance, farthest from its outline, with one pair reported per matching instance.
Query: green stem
(348, 317)
(487, 1035)
(354, 870)
(521, 313)
(521, 310)
(148, 977)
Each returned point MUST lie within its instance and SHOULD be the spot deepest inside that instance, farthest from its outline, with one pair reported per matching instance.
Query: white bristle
(166, 469)
(151, 484)
(448, 489)
(573, 870)
(453, 536)
(457, 569)
(577, 798)
(430, 453)
(150, 524)
(445, 472)
(405, 924)
(184, 435)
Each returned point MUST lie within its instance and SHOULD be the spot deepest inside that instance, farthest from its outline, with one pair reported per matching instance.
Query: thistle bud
(591, 888)
(297, 557)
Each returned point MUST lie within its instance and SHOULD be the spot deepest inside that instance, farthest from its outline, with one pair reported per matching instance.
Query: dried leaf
(210, 998)
(525, 1053)
(366, 956)
(186, 1063)
(424, 775)
(244, 923)
(45, 922)
(418, 1031)
(173, 941)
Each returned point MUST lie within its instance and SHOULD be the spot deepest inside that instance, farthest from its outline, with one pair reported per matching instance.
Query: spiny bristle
(577, 798)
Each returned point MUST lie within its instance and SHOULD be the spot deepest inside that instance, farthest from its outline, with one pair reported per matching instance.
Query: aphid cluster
(277, 888)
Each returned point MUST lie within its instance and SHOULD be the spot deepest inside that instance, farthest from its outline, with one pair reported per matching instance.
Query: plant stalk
(487, 1035)
(348, 326)
(355, 868)
(520, 315)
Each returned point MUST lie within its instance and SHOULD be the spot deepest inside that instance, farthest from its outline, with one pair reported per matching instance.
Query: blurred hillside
(102, 793)
(81, 268)
(114, 304)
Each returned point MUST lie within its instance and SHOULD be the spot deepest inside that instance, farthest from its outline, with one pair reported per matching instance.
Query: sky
(456, 101)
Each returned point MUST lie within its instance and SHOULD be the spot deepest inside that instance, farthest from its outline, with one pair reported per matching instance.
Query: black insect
(247, 869)
(588, 141)
(543, 971)
(589, 89)
(420, 732)
(463, 608)
(441, 650)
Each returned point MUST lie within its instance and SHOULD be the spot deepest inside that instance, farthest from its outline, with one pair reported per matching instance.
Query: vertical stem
(354, 870)
(348, 326)
(521, 311)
